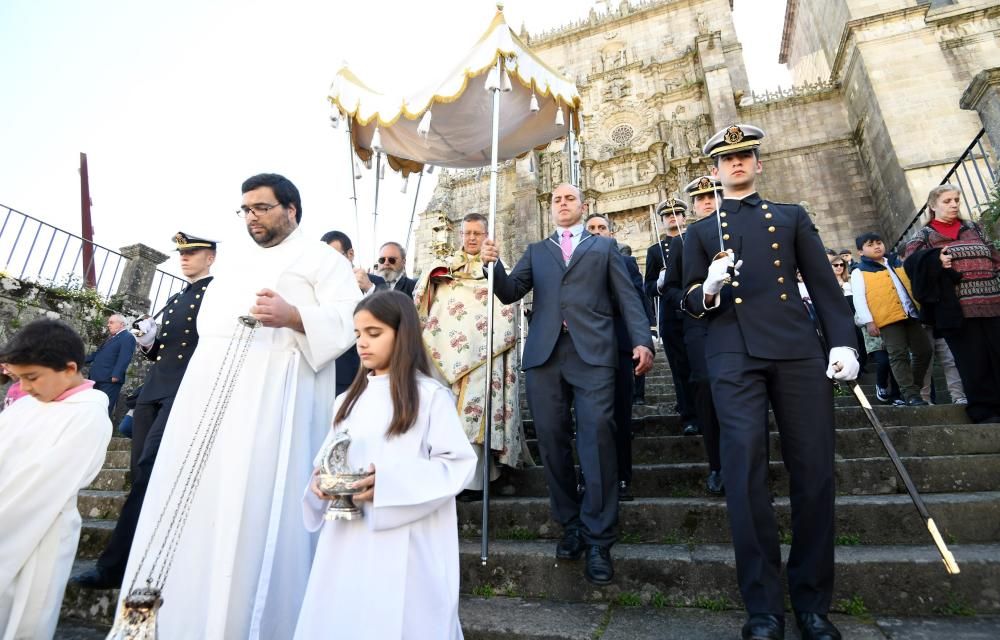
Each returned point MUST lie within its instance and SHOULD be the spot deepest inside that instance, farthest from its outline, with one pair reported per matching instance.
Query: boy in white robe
(52, 444)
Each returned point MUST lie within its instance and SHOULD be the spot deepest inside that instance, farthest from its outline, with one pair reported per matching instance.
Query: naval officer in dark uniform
(705, 193)
(739, 272)
(671, 327)
(170, 351)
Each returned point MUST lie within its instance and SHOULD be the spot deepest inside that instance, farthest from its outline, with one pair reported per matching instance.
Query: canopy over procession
(314, 439)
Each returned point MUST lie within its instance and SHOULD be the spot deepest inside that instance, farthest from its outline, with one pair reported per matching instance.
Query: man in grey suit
(570, 359)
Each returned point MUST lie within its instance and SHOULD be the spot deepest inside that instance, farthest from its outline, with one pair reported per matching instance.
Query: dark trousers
(695, 333)
(638, 384)
(680, 369)
(112, 390)
(976, 347)
(148, 422)
(802, 399)
(883, 373)
(565, 380)
(623, 415)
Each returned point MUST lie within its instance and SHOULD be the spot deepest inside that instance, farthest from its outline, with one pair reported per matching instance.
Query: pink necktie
(566, 243)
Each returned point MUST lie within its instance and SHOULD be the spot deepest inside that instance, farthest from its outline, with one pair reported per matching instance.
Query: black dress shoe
(816, 626)
(470, 495)
(763, 626)
(691, 429)
(714, 484)
(571, 546)
(96, 578)
(624, 493)
(599, 569)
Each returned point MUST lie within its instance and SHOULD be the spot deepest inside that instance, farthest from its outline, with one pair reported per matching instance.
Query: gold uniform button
(722, 215)
(184, 344)
(736, 283)
(725, 224)
(197, 296)
(767, 216)
(192, 306)
(781, 279)
(167, 322)
(187, 331)
(784, 296)
(771, 229)
(171, 311)
(176, 301)
(775, 246)
(203, 288)
(764, 207)
(738, 301)
(725, 237)
(159, 358)
(189, 318)
(180, 357)
(777, 263)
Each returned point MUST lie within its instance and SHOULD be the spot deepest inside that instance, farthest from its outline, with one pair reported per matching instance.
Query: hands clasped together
(367, 484)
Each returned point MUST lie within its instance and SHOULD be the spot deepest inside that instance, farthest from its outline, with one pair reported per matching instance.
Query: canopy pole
(354, 180)
(413, 213)
(378, 168)
(574, 167)
(488, 417)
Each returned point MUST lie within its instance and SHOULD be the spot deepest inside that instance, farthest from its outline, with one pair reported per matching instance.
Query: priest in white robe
(243, 560)
(49, 450)
(393, 574)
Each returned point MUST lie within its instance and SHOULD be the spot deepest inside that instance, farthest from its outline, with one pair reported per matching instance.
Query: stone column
(137, 278)
(983, 96)
(718, 82)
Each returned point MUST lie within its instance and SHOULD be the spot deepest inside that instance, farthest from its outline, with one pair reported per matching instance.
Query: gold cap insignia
(705, 183)
(733, 135)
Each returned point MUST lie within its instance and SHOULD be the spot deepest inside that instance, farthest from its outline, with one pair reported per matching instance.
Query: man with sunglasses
(241, 567)
(392, 267)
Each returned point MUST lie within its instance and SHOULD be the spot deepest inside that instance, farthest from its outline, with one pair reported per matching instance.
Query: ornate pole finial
(500, 7)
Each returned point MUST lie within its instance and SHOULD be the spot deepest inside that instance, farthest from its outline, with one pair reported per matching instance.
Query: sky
(176, 103)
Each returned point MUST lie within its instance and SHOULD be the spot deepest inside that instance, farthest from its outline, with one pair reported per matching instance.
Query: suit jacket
(654, 263)
(583, 294)
(111, 358)
(621, 327)
(760, 312)
(348, 363)
(403, 285)
(175, 343)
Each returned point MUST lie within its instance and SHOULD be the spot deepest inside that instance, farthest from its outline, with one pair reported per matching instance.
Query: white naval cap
(735, 137)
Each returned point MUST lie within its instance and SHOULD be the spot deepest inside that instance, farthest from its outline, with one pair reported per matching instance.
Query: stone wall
(22, 301)
(810, 157)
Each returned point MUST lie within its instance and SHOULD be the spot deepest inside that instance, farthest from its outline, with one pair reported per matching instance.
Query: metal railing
(973, 173)
(36, 251)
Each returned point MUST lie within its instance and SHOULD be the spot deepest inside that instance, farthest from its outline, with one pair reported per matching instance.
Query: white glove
(718, 273)
(148, 327)
(661, 279)
(843, 364)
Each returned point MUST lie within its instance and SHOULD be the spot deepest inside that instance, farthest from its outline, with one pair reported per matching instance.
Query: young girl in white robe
(393, 573)
(52, 444)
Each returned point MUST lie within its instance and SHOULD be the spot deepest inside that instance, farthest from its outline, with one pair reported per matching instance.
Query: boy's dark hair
(46, 343)
(339, 236)
(284, 191)
(871, 236)
(395, 309)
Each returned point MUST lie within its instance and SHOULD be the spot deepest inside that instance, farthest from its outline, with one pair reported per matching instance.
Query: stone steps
(923, 440)
(962, 518)
(645, 618)
(939, 474)
(889, 579)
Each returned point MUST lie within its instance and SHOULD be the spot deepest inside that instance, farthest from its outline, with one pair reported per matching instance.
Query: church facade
(872, 123)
